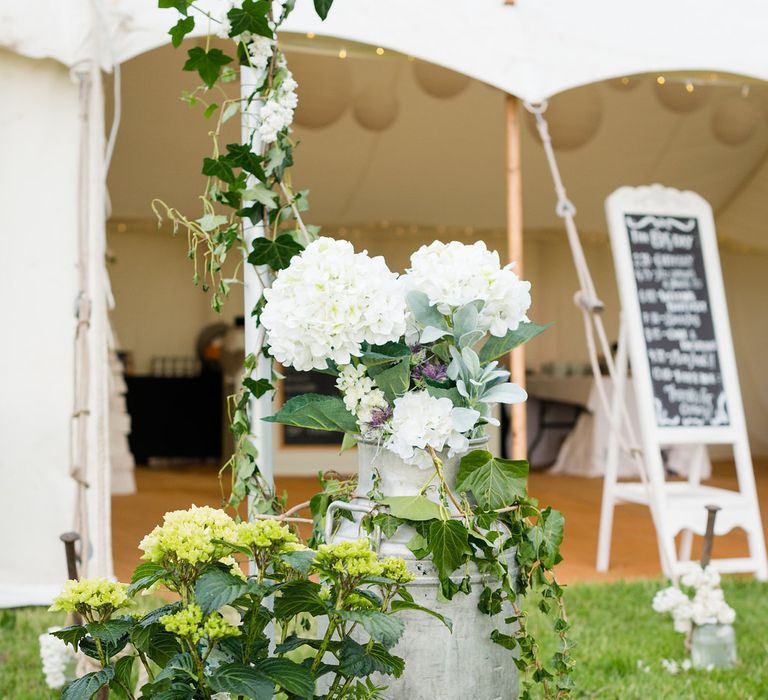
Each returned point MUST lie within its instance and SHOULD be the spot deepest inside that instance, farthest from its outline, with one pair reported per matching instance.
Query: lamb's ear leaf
(496, 347)
(316, 411)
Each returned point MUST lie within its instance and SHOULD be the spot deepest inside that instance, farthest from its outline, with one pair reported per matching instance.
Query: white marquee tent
(52, 146)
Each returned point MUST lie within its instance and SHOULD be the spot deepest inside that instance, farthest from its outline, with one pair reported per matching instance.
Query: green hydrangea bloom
(188, 536)
(355, 601)
(99, 595)
(188, 623)
(353, 559)
(396, 569)
(265, 534)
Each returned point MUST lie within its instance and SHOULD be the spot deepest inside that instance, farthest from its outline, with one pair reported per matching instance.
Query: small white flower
(420, 421)
(669, 599)
(56, 657)
(670, 665)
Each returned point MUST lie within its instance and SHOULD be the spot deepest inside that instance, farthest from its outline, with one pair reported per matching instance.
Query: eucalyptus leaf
(424, 313)
(497, 347)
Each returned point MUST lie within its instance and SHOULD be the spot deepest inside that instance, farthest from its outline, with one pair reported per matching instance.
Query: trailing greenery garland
(253, 184)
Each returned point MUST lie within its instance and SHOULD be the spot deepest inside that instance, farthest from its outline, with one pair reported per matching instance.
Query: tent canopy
(532, 49)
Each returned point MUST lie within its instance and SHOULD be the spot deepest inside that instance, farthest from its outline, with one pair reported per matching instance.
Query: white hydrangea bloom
(276, 113)
(453, 274)
(260, 49)
(221, 25)
(327, 302)
(668, 599)
(56, 657)
(420, 421)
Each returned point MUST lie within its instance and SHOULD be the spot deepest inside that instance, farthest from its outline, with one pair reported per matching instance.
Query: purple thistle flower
(379, 416)
(434, 371)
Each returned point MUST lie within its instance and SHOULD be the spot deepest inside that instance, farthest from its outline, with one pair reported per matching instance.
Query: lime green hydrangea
(265, 534)
(396, 569)
(188, 623)
(355, 601)
(234, 566)
(96, 598)
(188, 536)
(353, 559)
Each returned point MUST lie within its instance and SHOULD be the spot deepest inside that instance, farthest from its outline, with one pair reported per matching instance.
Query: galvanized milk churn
(439, 663)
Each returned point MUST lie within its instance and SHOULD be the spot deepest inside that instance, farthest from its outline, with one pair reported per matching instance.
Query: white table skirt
(583, 453)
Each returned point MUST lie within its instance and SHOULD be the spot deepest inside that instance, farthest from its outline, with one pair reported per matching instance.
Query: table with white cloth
(584, 450)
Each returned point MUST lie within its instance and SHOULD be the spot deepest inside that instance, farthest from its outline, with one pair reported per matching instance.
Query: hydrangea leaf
(239, 679)
(111, 631)
(208, 64)
(494, 482)
(298, 597)
(276, 254)
(496, 347)
(394, 381)
(85, 687)
(396, 605)
(357, 660)
(216, 588)
(383, 628)
(293, 678)
(417, 507)
(316, 411)
(449, 546)
(71, 635)
(301, 560)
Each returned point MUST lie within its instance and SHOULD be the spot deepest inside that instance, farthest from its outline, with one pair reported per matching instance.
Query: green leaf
(158, 644)
(301, 560)
(258, 387)
(397, 605)
(348, 442)
(322, 7)
(252, 17)
(547, 536)
(290, 676)
(299, 597)
(505, 640)
(494, 482)
(124, 670)
(316, 411)
(382, 627)
(440, 393)
(495, 347)
(449, 546)
(111, 631)
(71, 635)
(412, 507)
(207, 63)
(426, 314)
(240, 155)
(180, 5)
(218, 167)
(357, 660)
(262, 194)
(239, 679)
(180, 662)
(277, 253)
(394, 381)
(87, 686)
(179, 30)
(144, 576)
(217, 588)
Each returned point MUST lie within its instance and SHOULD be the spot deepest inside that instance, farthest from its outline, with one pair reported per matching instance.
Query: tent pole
(515, 253)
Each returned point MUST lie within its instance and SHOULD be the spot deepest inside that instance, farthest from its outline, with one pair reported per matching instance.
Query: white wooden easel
(676, 506)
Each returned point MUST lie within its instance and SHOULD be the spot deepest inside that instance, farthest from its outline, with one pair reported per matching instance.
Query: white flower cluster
(708, 605)
(453, 274)
(420, 421)
(327, 302)
(57, 657)
(276, 113)
(361, 396)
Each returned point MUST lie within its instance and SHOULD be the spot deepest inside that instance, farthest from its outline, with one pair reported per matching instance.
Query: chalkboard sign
(677, 323)
(297, 383)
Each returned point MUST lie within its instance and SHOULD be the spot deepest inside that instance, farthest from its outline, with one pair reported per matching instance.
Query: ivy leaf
(547, 536)
(449, 546)
(357, 660)
(207, 63)
(179, 30)
(239, 679)
(495, 347)
(382, 627)
(316, 411)
(85, 687)
(216, 588)
(295, 679)
(412, 507)
(322, 7)
(298, 597)
(276, 254)
(397, 605)
(240, 155)
(494, 482)
(180, 5)
(258, 387)
(218, 167)
(262, 195)
(252, 17)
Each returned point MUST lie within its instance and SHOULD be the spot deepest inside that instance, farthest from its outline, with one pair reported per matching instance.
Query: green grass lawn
(613, 625)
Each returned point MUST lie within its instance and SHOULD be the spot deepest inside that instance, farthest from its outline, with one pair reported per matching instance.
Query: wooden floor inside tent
(634, 552)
